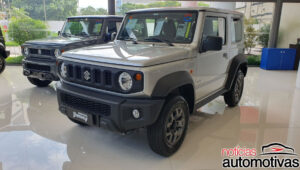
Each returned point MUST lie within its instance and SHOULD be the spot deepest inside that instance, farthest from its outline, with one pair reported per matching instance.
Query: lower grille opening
(37, 67)
(85, 104)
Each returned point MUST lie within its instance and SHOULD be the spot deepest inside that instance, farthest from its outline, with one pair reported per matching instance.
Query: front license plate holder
(81, 116)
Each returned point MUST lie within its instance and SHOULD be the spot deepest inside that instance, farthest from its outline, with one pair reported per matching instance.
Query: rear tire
(2, 64)
(234, 95)
(38, 82)
(166, 135)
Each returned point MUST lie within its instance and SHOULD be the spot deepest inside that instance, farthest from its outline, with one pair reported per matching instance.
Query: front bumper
(102, 110)
(40, 68)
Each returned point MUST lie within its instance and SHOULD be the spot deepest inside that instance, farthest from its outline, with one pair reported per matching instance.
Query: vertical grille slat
(107, 78)
(70, 71)
(33, 51)
(97, 76)
(78, 72)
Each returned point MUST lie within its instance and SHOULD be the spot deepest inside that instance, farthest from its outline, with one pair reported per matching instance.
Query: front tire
(2, 64)
(234, 95)
(38, 82)
(166, 135)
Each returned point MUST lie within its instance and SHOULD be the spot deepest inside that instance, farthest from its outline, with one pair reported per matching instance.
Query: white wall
(289, 29)
(223, 5)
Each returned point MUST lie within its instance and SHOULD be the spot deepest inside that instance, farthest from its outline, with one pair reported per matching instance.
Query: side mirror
(113, 36)
(212, 43)
(58, 33)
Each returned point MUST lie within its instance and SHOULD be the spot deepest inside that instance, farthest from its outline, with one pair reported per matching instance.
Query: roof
(186, 9)
(97, 16)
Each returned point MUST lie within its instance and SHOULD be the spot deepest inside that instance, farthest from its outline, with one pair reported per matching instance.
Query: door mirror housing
(212, 43)
(113, 36)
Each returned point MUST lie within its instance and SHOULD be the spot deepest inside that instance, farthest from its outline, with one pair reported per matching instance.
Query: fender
(168, 83)
(239, 61)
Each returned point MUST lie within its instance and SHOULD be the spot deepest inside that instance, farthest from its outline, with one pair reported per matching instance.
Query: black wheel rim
(175, 124)
(238, 89)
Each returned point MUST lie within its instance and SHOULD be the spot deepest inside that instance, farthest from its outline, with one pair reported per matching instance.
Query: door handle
(225, 55)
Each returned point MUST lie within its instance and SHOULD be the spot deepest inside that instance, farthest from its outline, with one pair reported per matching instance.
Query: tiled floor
(34, 135)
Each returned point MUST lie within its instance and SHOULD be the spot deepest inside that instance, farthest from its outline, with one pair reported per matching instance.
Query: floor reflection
(34, 135)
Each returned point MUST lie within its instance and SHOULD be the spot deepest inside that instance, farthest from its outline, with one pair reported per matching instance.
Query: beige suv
(163, 65)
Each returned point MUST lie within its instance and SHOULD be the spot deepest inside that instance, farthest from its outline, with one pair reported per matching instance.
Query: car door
(212, 65)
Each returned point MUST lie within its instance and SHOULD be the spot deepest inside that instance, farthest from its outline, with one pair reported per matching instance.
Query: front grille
(40, 52)
(100, 77)
(93, 76)
(37, 67)
(85, 105)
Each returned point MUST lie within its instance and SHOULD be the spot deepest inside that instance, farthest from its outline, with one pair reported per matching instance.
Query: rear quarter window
(236, 30)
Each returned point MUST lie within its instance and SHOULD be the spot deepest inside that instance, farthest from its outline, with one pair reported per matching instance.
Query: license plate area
(81, 116)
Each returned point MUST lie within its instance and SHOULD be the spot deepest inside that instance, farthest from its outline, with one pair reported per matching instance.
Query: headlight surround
(26, 51)
(63, 70)
(125, 81)
(57, 53)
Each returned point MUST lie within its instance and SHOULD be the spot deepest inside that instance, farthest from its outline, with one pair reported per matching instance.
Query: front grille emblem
(87, 75)
(40, 52)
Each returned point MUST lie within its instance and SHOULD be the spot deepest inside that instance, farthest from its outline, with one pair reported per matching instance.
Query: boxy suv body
(3, 52)
(162, 66)
(39, 64)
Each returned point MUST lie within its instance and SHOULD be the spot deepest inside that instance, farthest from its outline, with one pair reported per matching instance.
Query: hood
(127, 53)
(56, 41)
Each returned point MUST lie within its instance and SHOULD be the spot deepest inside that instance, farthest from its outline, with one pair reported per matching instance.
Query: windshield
(172, 27)
(82, 27)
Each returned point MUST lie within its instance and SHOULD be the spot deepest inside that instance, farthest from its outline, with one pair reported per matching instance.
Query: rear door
(212, 65)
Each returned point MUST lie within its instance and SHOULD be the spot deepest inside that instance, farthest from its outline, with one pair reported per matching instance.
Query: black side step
(209, 98)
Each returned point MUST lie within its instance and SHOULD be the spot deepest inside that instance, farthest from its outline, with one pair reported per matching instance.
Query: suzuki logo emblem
(40, 51)
(87, 75)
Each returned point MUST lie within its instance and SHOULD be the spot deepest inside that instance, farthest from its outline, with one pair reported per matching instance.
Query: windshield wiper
(134, 41)
(64, 34)
(160, 40)
(83, 34)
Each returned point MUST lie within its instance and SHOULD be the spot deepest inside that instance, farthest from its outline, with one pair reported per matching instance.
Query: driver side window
(215, 26)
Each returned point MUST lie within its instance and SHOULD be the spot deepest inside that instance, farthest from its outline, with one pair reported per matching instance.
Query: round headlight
(57, 53)
(26, 51)
(125, 81)
(63, 70)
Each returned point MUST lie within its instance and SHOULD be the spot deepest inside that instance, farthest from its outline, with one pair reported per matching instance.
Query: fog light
(136, 113)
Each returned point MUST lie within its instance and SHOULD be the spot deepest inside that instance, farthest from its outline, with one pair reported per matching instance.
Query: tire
(77, 122)
(161, 133)
(38, 82)
(2, 64)
(234, 95)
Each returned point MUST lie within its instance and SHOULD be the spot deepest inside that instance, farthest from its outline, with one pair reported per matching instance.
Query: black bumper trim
(119, 118)
(43, 70)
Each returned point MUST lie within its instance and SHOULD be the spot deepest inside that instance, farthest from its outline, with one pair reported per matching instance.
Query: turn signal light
(138, 77)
